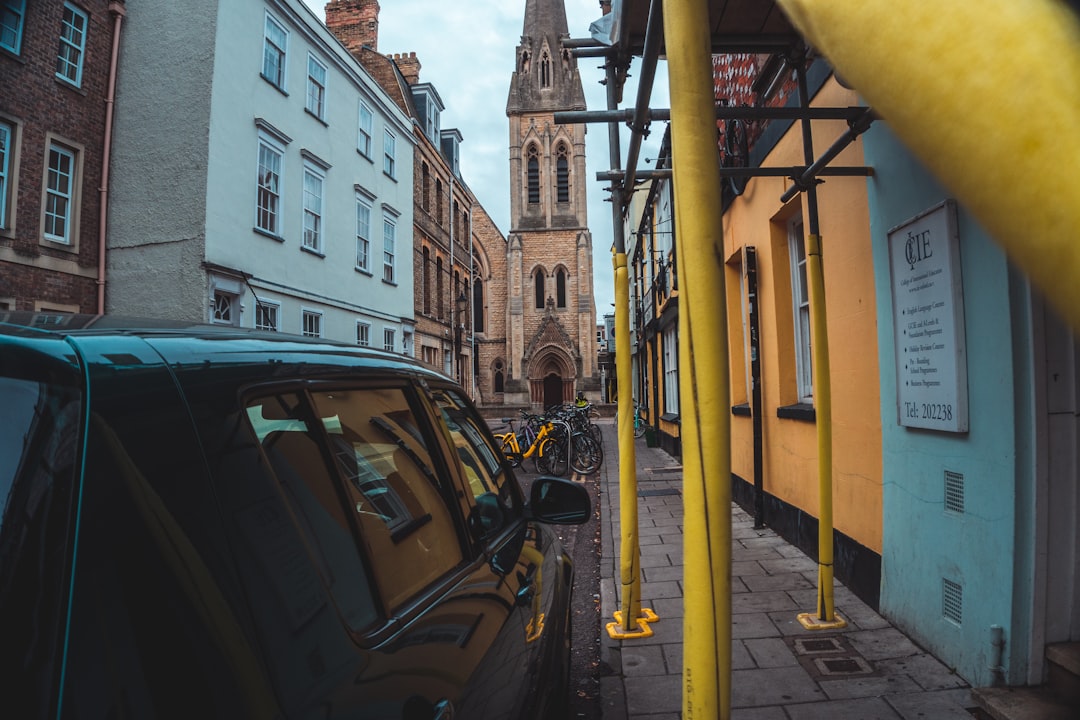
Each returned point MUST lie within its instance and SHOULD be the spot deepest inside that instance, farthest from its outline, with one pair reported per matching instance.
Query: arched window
(478, 305)
(545, 70)
(562, 175)
(499, 381)
(438, 201)
(439, 288)
(560, 288)
(540, 288)
(533, 165)
(426, 289)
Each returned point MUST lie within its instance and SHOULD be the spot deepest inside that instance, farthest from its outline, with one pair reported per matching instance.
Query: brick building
(448, 298)
(57, 63)
(513, 319)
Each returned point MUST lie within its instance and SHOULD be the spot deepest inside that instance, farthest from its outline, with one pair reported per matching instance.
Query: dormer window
(433, 122)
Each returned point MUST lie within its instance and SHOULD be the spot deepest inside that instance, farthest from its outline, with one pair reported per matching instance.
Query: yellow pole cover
(629, 561)
(704, 393)
(986, 95)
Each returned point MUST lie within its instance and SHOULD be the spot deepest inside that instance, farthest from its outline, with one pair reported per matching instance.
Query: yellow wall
(790, 446)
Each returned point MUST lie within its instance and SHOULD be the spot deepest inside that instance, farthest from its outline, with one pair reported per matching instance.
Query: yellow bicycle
(544, 441)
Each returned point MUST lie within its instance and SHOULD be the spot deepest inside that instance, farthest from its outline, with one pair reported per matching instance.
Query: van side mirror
(559, 502)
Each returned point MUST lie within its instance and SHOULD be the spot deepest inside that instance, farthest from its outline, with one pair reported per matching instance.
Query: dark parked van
(203, 522)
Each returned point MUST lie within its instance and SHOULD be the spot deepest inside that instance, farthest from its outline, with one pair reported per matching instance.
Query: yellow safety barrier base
(811, 621)
(617, 630)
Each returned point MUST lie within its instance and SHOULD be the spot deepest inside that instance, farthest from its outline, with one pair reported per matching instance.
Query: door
(1057, 495)
(553, 390)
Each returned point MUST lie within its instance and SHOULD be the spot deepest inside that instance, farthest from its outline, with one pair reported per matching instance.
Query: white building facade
(261, 177)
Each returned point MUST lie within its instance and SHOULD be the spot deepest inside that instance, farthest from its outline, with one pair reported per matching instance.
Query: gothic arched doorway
(553, 390)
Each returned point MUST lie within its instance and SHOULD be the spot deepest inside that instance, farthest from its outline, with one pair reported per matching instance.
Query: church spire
(546, 74)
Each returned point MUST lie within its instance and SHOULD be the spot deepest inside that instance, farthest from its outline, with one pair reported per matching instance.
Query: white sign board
(928, 321)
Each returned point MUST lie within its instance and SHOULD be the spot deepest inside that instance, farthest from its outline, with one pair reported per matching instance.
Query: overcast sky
(466, 50)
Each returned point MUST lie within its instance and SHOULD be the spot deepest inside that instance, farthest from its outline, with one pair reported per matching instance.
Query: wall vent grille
(954, 491)
(952, 601)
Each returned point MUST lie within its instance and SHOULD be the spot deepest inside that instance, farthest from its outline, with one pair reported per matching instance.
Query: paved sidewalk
(780, 671)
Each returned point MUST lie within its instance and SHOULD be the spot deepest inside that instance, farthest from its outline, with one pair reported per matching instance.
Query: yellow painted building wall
(790, 446)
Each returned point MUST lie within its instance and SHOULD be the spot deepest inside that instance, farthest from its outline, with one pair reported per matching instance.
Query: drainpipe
(450, 284)
(117, 10)
(997, 653)
(472, 310)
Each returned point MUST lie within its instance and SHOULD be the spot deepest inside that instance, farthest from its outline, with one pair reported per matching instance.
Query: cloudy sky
(466, 50)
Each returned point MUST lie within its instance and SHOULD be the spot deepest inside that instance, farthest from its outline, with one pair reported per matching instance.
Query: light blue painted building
(979, 526)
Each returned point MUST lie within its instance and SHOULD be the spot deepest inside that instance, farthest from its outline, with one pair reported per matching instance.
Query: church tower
(551, 312)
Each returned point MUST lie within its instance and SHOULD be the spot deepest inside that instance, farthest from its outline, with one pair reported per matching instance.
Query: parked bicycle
(639, 423)
(542, 441)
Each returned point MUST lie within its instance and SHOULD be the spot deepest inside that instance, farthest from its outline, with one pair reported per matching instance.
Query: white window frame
(313, 203)
(12, 22)
(316, 87)
(310, 323)
(363, 234)
(7, 139)
(801, 309)
(271, 149)
(266, 316)
(69, 58)
(363, 333)
(273, 50)
(224, 308)
(671, 368)
(389, 339)
(365, 120)
(389, 249)
(389, 153)
(60, 188)
(406, 341)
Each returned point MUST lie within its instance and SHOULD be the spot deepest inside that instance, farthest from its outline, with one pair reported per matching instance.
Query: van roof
(184, 343)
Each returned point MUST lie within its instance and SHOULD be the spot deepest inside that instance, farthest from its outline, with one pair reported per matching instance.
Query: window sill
(363, 271)
(313, 251)
(364, 155)
(742, 410)
(670, 417)
(59, 245)
(274, 85)
(798, 411)
(320, 119)
(389, 282)
(267, 233)
(389, 176)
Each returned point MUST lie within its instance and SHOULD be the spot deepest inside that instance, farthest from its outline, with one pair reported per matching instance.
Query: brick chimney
(408, 65)
(355, 23)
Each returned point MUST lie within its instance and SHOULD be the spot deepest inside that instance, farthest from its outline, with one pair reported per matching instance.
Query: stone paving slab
(779, 670)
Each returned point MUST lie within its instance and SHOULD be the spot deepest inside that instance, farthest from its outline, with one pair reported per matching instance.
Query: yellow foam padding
(987, 95)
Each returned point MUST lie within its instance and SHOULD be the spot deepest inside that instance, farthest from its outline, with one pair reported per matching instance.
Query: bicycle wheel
(639, 428)
(585, 454)
(552, 457)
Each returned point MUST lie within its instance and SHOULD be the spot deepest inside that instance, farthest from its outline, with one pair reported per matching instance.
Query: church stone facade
(550, 309)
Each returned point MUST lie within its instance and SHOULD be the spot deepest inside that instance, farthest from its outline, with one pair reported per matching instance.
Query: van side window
(282, 426)
(405, 524)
